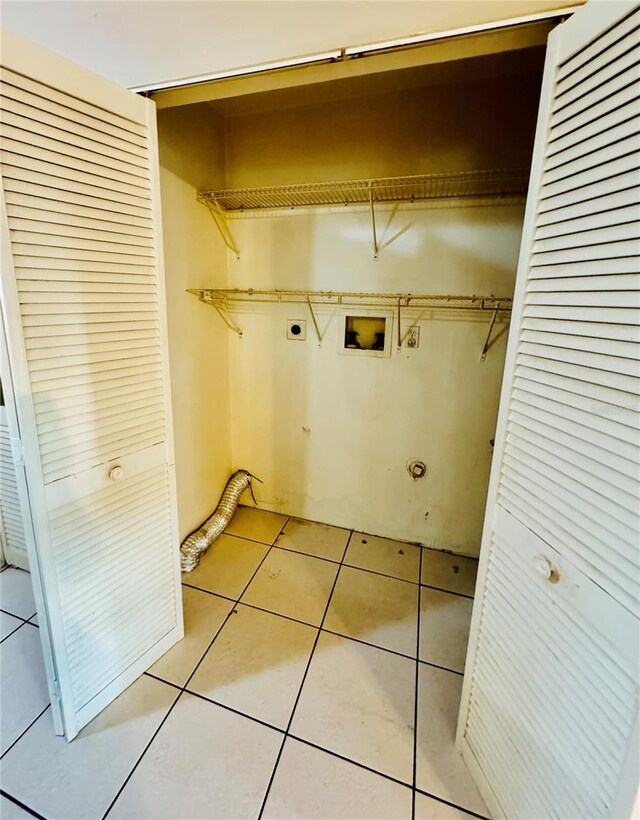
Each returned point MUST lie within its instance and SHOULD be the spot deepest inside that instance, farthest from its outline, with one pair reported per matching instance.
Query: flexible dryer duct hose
(195, 545)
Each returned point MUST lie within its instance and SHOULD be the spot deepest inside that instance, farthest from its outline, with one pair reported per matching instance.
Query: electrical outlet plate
(413, 336)
(297, 329)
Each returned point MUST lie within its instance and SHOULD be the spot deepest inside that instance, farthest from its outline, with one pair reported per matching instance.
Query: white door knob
(544, 568)
(116, 473)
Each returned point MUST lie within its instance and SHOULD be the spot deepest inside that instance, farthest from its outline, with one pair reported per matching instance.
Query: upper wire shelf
(499, 183)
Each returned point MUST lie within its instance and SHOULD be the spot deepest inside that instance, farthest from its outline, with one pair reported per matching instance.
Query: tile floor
(319, 677)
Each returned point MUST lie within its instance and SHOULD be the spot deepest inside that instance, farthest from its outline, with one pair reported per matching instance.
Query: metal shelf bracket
(221, 305)
(218, 214)
(487, 341)
(373, 222)
(314, 320)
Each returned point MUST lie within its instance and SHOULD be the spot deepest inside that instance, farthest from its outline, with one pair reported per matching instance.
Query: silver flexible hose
(195, 545)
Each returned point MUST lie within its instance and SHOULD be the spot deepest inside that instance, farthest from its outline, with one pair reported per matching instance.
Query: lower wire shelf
(222, 299)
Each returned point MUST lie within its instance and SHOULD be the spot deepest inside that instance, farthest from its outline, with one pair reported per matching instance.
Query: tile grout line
(453, 805)
(21, 804)
(235, 711)
(19, 617)
(324, 629)
(302, 682)
(346, 759)
(255, 540)
(448, 591)
(338, 563)
(415, 705)
(23, 733)
(17, 629)
(183, 688)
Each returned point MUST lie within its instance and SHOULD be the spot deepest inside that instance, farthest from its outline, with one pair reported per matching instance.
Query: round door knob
(544, 568)
(116, 473)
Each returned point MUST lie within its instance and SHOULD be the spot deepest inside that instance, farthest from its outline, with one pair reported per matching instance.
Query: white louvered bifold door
(549, 714)
(14, 543)
(83, 297)
(12, 523)
(13, 503)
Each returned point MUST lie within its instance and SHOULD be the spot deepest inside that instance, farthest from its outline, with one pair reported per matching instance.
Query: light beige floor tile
(374, 608)
(440, 770)
(16, 593)
(444, 628)
(258, 525)
(314, 539)
(8, 624)
(65, 781)
(358, 701)
(23, 685)
(291, 584)
(205, 762)
(256, 665)
(429, 809)
(11, 811)
(450, 572)
(204, 614)
(310, 783)
(384, 555)
(227, 566)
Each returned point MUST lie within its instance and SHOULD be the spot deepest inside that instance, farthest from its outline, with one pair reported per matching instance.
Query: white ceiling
(141, 42)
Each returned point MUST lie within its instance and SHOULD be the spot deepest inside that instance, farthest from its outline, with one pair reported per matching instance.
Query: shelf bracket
(373, 222)
(217, 212)
(223, 313)
(487, 341)
(314, 320)
(399, 326)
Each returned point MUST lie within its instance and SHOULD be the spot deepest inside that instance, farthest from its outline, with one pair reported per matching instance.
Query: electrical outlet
(413, 336)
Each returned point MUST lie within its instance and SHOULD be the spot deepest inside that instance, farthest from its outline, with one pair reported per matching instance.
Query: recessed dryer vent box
(296, 329)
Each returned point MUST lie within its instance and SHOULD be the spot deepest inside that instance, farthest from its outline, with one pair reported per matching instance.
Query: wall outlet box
(413, 336)
(296, 329)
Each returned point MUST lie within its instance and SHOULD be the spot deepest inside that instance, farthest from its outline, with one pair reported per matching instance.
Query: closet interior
(340, 259)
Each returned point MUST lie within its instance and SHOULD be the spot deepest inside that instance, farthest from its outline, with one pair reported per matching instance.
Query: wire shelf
(496, 183)
(223, 296)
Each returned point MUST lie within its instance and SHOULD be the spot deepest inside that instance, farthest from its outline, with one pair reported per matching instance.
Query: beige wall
(191, 157)
(466, 126)
(330, 434)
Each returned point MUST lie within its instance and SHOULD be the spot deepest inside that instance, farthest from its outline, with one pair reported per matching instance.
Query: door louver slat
(72, 108)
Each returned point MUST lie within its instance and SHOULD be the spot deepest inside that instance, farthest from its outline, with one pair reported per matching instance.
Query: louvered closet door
(549, 715)
(83, 299)
(12, 526)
